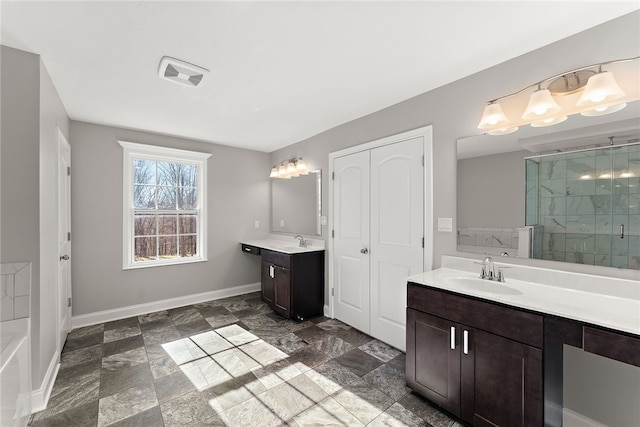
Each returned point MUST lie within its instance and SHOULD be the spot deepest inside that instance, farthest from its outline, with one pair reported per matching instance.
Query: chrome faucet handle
(483, 272)
(303, 243)
(500, 276)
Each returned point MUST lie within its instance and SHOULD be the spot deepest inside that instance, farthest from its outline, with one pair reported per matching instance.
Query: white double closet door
(378, 218)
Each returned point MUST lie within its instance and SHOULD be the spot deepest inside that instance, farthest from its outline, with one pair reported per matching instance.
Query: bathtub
(15, 373)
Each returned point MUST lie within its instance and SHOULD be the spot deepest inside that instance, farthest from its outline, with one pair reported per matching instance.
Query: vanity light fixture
(290, 168)
(599, 95)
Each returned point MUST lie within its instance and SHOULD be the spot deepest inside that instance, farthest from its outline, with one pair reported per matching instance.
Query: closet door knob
(64, 257)
(364, 251)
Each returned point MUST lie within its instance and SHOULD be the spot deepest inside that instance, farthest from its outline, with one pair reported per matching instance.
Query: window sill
(149, 264)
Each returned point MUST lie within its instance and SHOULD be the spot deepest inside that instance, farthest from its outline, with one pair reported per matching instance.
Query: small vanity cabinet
(480, 361)
(293, 284)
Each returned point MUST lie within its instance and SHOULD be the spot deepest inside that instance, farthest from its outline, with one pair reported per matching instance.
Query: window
(164, 205)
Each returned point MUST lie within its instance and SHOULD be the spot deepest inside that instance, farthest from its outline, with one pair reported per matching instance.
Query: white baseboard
(40, 397)
(574, 419)
(138, 309)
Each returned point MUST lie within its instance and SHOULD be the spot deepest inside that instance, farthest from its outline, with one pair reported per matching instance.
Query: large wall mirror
(296, 204)
(560, 193)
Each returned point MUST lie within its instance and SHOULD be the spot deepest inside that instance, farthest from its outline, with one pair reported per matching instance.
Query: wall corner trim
(40, 397)
(327, 311)
(150, 307)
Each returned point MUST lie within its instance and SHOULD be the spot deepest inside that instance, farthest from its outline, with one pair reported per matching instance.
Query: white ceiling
(280, 71)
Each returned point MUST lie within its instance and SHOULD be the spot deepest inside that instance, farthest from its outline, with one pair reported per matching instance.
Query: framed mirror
(296, 204)
(497, 198)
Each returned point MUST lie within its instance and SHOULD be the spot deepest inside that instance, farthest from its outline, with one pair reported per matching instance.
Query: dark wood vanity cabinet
(293, 284)
(481, 362)
(276, 287)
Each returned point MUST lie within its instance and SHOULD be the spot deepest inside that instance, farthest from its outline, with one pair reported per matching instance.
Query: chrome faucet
(488, 270)
(303, 243)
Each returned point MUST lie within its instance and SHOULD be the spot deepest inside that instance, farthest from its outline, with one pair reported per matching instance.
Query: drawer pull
(465, 345)
(453, 338)
(272, 271)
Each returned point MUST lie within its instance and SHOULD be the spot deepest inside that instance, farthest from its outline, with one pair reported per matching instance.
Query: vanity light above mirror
(592, 90)
(291, 168)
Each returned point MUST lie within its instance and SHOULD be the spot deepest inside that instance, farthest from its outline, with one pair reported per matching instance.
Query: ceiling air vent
(181, 72)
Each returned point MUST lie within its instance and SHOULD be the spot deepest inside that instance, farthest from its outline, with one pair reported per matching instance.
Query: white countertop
(609, 302)
(286, 244)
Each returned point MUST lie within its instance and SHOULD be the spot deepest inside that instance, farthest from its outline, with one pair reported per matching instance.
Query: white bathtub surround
(15, 372)
(15, 344)
(286, 244)
(605, 301)
(15, 290)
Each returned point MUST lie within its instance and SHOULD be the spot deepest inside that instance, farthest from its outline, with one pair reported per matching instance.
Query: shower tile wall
(581, 199)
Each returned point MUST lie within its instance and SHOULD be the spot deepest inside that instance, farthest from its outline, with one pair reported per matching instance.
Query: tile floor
(231, 362)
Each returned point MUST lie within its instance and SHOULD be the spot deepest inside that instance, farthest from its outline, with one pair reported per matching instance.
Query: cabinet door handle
(622, 231)
(453, 338)
(465, 340)
(272, 271)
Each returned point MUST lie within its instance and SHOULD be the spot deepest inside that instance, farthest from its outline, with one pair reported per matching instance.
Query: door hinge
(69, 236)
(333, 176)
(423, 242)
(423, 160)
(69, 302)
(333, 233)
(69, 170)
(332, 293)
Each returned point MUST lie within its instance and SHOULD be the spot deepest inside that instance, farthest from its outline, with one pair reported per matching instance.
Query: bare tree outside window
(165, 217)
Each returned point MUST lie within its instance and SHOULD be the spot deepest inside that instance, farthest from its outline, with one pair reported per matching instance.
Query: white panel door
(351, 240)
(397, 192)
(64, 240)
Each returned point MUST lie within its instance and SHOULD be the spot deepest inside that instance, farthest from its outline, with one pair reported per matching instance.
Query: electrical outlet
(323, 220)
(282, 223)
(257, 224)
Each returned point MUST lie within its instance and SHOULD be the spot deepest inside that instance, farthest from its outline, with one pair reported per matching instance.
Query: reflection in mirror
(491, 193)
(584, 206)
(296, 204)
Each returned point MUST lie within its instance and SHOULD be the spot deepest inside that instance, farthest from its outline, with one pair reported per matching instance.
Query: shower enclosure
(585, 205)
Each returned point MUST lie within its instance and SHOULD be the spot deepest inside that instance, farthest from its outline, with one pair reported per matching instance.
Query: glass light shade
(601, 87)
(274, 172)
(291, 170)
(282, 171)
(503, 131)
(604, 109)
(541, 103)
(492, 117)
(548, 122)
(302, 168)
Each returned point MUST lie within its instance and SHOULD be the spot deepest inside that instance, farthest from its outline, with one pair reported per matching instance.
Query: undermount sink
(482, 285)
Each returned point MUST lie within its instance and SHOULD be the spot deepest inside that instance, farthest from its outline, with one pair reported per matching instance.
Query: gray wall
(491, 190)
(238, 195)
(31, 113)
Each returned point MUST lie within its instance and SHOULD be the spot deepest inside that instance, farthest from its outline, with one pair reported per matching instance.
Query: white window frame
(134, 151)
